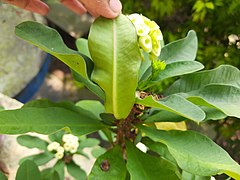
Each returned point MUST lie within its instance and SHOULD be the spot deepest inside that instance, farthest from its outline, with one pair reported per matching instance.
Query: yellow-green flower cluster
(69, 144)
(149, 34)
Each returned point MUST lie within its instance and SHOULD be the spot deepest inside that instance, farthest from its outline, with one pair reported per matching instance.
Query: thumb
(115, 6)
(111, 10)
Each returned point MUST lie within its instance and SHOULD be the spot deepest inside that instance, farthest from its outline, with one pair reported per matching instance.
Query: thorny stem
(126, 129)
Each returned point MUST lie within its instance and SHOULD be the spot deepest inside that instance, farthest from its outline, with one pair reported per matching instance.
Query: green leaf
(212, 113)
(57, 136)
(143, 166)
(188, 176)
(98, 151)
(49, 174)
(110, 165)
(89, 142)
(39, 159)
(28, 170)
(95, 107)
(117, 59)
(224, 74)
(2, 176)
(145, 69)
(32, 142)
(164, 116)
(175, 69)
(223, 97)
(159, 148)
(178, 68)
(219, 88)
(59, 168)
(75, 171)
(181, 50)
(195, 153)
(82, 46)
(48, 120)
(51, 42)
(175, 104)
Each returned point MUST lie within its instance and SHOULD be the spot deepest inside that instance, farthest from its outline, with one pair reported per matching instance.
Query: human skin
(105, 8)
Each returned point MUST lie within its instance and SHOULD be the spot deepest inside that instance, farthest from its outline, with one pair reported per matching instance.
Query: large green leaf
(223, 97)
(75, 171)
(175, 104)
(195, 153)
(175, 69)
(143, 166)
(178, 68)
(166, 116)
(114, 49)
(59, 168)
(28, 170)
(219, 88)
(32, 142)
(110, 165)
(224, 74)
(95, 107)
(159, 148)
(50, 41)
(49, 174)
(39, 159)
(47, 120)
(181, 50)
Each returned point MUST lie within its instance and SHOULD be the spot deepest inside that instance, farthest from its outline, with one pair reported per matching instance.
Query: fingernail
(115, 6)
(37, 7)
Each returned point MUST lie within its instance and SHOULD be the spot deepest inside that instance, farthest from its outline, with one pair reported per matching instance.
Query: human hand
(106, 8)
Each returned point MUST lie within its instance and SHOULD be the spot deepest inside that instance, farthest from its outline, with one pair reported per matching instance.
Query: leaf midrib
(114, 93)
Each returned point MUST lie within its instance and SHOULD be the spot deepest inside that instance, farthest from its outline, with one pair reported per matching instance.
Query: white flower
(53, 146)
(70, 143)
(145, 43)
(149, 34)
(73, 149)
(136, 18)
(69, 138)
(67, 146)
(60, 149)
(142, 147)
(59, 155)
(156, 34)
(156, 47)
(142, 29)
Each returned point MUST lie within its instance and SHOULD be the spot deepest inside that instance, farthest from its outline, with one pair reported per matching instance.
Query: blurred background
(217, 23)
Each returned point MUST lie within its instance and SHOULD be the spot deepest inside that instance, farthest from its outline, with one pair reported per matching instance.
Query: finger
(36, 6)
(75, 6)
(106, 8)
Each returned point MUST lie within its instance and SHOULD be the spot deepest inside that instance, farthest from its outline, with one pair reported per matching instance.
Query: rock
(19, 61)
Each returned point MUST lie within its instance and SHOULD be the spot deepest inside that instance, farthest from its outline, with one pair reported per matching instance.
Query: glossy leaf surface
(195, 153)
(175, 104)
(117, 60)
(109, 166)
(28, 170)
(51, 42)
(181, 50)
(32, 142)
(143, 166)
